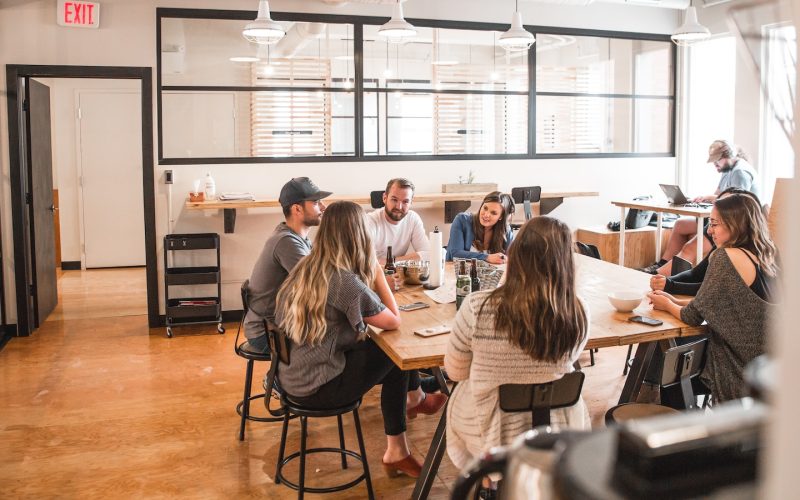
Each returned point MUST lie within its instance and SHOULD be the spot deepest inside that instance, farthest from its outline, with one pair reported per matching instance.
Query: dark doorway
(28, 196)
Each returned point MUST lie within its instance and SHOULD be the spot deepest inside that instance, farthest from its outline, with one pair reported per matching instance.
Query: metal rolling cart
(192, 310)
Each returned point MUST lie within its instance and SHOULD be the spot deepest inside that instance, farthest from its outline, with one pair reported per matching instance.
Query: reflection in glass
(440, 58)
(455, 124)
(213, 52)
(583, 124)
(267, 123)
(596, 65)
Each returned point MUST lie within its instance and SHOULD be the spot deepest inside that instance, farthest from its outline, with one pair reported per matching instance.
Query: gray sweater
(738, 320)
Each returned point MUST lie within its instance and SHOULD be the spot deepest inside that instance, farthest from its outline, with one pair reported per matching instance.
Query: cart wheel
(169, 332)
(220, 328)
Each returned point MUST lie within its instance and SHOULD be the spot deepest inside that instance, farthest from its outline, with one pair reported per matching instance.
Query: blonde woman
(529, 330)
(324, 307)
(737, 298)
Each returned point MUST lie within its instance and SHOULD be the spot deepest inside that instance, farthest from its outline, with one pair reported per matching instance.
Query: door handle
(52, 208)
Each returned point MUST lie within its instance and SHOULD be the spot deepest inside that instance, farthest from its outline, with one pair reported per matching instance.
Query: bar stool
(246, 351)
(680, 364)
(279, 346)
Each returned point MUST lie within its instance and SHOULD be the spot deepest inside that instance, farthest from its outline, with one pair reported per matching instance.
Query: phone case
(414, 306)
(432, 331)
(646, 321)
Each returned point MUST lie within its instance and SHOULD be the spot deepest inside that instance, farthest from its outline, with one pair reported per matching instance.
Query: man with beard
(397, 225)
(302, 205)
(737, 172)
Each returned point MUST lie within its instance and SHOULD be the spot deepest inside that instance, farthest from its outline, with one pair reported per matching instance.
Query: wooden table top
(364, 200)
(664, 207)
(596, 279)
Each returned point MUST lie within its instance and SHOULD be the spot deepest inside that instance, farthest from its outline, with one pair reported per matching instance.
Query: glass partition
(450, 91)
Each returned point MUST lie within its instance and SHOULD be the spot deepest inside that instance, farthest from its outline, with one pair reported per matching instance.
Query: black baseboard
(70, 265)
(227, 317)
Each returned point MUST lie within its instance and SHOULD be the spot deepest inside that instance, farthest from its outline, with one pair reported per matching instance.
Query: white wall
(29, 35)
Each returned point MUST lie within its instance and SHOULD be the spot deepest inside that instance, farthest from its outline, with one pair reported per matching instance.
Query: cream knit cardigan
(482, 359)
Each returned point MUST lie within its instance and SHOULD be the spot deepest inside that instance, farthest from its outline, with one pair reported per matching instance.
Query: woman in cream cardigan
(529, 330)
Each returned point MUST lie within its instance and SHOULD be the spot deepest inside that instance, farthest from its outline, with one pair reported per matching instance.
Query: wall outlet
(167, 176)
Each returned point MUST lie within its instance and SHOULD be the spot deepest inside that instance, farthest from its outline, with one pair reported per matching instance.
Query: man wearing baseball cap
(302, 205)
(732, 163)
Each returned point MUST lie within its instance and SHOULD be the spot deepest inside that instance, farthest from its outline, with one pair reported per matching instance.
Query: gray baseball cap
(300, 189)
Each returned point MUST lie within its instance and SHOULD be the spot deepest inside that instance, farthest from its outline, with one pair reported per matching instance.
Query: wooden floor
(95, 404)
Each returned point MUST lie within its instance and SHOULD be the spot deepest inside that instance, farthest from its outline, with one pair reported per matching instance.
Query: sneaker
(651, 269)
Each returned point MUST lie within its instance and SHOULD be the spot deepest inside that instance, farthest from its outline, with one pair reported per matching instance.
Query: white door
(110, 169)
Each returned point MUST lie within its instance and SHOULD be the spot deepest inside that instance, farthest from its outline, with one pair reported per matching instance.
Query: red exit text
(78, 14)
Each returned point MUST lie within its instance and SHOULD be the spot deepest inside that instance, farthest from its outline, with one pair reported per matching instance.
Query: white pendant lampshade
(516, 38)
(263, 30)
(690, 31)
(397, 29)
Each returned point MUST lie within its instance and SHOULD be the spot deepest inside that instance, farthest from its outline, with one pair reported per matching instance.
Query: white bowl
(625, 301)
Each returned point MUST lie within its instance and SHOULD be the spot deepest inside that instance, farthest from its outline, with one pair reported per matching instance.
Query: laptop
(674, 194)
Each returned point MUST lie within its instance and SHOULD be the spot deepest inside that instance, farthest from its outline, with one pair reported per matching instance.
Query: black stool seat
(632, 411)
(296, 409)
(247, 351)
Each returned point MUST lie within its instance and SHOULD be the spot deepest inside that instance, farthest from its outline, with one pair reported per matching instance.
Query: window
(334, 88)
(779, 79)
(603, 95)
(449, 92)
(225, 98)
(710, 108)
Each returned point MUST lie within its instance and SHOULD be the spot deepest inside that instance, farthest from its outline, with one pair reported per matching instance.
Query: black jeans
(366, 366)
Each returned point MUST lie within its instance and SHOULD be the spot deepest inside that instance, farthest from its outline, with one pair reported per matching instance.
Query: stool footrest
(330, 489)
(254, 418)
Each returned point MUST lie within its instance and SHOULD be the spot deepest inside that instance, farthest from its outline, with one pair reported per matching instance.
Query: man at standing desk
(731, 162)
(301, 201)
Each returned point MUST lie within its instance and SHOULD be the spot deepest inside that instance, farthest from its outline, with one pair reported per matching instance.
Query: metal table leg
(641, 361)
(434, 457)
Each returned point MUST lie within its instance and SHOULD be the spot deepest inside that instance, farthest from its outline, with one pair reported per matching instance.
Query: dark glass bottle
(473, 274)
(463, 286)
(389, 261)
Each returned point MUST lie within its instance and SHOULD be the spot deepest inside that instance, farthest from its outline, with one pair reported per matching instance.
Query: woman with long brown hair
(529, 330)
(485, 235)
(738, 295)
(324, 307)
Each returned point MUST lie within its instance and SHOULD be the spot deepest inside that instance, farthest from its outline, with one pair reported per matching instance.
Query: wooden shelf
(550, 200)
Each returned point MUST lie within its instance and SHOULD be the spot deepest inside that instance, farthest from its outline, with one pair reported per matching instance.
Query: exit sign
(78, 14)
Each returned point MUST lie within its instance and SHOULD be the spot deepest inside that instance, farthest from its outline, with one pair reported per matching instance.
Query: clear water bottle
(211, 187)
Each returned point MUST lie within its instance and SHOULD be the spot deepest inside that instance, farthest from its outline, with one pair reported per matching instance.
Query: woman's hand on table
(658, 282)
(496, 258)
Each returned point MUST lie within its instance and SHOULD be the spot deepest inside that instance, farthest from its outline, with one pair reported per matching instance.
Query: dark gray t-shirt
(350, 300)
(282, 251)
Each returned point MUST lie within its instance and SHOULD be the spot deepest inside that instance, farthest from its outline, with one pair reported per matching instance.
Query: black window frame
(358, 23)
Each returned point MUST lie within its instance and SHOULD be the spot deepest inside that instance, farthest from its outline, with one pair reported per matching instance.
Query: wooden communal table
(549, 201)
(595, 280)
(661, 208)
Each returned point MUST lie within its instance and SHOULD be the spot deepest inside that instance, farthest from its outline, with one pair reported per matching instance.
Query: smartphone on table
(413, 306)
(646, 321)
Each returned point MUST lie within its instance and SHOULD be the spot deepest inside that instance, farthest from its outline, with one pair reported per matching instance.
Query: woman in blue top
(485, 235)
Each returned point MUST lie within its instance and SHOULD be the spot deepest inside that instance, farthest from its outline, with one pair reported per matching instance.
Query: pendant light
(517, 38)
(263, 30)
(397, 30)
(690, 31)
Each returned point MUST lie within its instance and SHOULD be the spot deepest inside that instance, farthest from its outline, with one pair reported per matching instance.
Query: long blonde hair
(748, 227)
(341, 244)
(538, 306)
